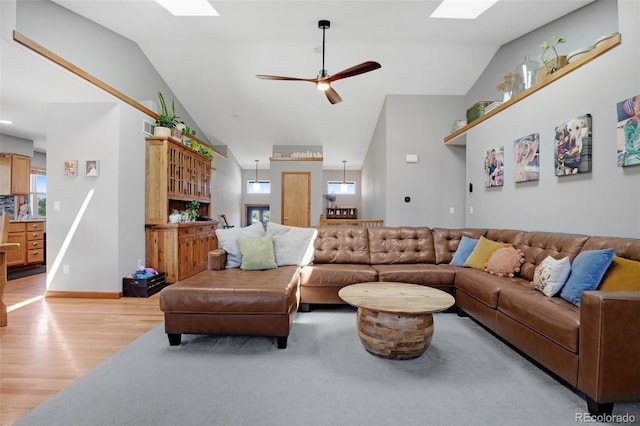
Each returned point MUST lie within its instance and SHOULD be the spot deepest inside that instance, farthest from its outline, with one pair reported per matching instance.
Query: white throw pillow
(228, 241)
(551, 274)
(292, 245)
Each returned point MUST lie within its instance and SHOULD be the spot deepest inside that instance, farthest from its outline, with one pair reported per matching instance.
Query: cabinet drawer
(34, 245)
(34, 256)
(34, 235)
(35, 226)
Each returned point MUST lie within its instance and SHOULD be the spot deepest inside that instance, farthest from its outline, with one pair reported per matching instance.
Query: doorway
(296, 199)
(257, 213)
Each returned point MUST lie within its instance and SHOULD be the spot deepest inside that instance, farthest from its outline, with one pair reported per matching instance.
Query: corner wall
(109, 238)
(415, 125)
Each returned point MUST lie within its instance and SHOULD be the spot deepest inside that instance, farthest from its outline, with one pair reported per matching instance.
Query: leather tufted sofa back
(538, 245)
(401, 245)
(629, 248)
(342, 244)
(446, 241)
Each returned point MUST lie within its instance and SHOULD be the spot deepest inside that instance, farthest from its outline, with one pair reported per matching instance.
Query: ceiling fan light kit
(323, 80)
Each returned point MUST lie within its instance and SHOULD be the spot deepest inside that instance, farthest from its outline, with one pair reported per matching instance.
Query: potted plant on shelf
(551, 65)
(193, 210)
(165, 121)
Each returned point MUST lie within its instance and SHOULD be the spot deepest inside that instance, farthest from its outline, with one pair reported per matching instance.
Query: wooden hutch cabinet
(176, 175)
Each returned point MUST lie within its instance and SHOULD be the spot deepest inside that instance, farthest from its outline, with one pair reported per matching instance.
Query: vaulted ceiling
(210, 64)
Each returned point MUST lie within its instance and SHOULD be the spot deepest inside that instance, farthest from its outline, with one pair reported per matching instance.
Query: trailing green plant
(550, 45)
(166, 119)
(193, 209)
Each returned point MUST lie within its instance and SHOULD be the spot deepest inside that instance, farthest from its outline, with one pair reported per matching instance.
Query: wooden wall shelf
(459, 136)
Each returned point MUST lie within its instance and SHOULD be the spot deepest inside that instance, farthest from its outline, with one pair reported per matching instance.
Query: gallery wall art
(526, 166)
(70, 167)
(573, 140)
(628, 132)
(494, 167)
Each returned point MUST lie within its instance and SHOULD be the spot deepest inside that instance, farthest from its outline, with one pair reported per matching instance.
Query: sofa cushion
(465, 247)
(622, 275)
(587, 271)
(553, 317)
(536, 246)
(419, 273)
(336, 274)
(482, 286)
(342, 244)
(403, 244)
(446, 241)
(257, 253)
(273, 291)
(482, 252)
(228, 241)
(551, 275)
(292, 245)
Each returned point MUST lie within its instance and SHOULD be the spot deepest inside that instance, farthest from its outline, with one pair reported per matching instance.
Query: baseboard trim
(84, 294)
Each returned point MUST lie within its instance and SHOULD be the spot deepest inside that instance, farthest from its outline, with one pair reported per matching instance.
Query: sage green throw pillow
(257, 253)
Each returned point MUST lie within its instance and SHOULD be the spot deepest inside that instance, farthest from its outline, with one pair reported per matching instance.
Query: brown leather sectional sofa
(594, 348)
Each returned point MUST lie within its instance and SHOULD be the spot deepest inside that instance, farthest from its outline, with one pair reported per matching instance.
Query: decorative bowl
(578, 53)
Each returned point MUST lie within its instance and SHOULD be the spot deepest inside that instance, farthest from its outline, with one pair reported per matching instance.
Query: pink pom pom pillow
(505, 262)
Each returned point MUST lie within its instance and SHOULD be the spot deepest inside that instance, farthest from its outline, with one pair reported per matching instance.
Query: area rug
(324, 377)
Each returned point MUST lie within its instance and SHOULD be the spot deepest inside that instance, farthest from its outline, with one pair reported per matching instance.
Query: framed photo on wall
(628, 132)
(70, 167)
(572, 152)
(494, 167)
(526, 155)
(91, 168)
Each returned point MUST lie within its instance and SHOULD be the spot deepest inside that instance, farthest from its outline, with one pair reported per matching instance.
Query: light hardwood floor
(51, 342)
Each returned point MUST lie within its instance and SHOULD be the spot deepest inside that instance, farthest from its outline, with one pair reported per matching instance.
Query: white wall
(605, 201)
(109, 238)
(373, 196)
(226, 195)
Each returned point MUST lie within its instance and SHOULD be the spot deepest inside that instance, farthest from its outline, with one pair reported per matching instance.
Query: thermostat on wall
(411, 158)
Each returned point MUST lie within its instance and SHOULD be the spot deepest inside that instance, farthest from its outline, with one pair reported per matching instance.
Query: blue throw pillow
(587, 271)
(465, 247)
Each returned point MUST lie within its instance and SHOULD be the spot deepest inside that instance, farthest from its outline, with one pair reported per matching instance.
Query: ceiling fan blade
(277, 77)
(332, 95)
(356, 70)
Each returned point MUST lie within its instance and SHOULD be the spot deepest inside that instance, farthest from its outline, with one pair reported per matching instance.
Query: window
(264, 187)
(38, 193)
(338, 188)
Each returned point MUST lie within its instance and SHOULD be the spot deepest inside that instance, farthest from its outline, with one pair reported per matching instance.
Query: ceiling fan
(323, 80)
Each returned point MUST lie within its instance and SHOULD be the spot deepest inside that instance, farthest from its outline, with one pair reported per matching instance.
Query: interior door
(296, 199)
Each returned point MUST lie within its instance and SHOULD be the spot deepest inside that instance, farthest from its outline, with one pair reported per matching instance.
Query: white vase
(160, 131)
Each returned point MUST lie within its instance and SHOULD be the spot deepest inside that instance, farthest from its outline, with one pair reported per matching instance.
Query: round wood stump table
(395, 320)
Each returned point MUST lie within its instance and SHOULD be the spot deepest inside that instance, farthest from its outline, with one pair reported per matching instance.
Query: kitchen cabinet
(30, 236)
(15, 172)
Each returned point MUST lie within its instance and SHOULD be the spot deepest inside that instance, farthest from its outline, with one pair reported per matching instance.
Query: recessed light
(188, 7)
(462, 9)
(6, 122)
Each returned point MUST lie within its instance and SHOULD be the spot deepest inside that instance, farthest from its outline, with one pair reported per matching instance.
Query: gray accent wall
(603, 202)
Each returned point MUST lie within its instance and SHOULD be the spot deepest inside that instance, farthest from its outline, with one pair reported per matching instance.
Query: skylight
(462, 9)
(188, 7)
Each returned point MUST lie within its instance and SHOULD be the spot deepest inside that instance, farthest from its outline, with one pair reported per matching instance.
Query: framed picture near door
(257, 213)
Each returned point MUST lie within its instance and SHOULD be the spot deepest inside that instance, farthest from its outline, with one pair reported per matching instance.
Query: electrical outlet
(65, 269)
(471, 210)
(56, 206)
(452, 210)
